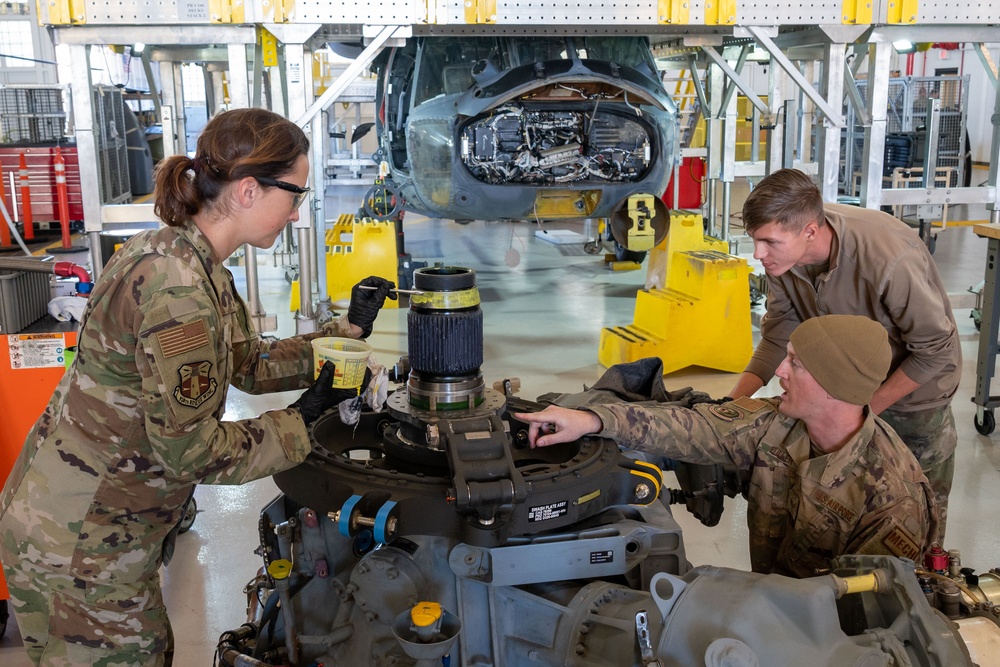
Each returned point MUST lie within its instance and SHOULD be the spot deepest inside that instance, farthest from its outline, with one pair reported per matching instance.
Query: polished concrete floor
(543, 319)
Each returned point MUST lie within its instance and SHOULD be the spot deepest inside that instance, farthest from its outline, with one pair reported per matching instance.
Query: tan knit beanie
(848, 355)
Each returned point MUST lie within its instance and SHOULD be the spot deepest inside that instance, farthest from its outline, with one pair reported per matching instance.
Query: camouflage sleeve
(180, 356)
(902, 528)
(707, 433)
(262, 366)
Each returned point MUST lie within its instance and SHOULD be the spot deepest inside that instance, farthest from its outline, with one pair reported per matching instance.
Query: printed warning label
(192, 10)
(598, 557)
(37, 350)
(546, 512)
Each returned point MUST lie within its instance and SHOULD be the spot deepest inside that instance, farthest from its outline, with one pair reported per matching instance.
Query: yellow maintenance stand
(356, 249)
(701, 315)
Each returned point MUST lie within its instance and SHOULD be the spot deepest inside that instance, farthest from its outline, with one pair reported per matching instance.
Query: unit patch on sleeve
(196, 384)
(182, 338)
(726, 412)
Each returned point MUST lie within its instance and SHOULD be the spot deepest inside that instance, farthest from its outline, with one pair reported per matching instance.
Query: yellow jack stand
(356, 249)
(702, 314)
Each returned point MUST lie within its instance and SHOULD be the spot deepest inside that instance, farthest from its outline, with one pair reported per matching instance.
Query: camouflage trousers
(64, 624)
(931, 436)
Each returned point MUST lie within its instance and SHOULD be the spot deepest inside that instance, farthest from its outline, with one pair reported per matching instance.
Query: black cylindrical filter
(445, 328)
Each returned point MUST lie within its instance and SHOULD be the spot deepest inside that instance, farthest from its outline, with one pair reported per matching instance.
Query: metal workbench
(989, 329)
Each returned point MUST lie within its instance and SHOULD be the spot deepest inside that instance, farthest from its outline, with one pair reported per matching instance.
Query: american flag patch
(182, 338)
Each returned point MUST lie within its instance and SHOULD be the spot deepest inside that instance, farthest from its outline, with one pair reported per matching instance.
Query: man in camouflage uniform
(827, 477)
(831, 258)
(135, 424)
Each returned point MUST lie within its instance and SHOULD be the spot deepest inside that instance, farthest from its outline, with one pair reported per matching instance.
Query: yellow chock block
(616, 265)
(701, 317)
(356, 249)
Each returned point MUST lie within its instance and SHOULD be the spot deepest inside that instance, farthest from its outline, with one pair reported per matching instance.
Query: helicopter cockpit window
(622, 50)
(446, 65)
(537, 49)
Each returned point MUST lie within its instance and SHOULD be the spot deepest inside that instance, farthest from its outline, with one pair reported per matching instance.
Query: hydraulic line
(40, 265)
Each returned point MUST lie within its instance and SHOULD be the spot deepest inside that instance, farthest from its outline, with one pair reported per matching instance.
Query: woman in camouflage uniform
(137, 421)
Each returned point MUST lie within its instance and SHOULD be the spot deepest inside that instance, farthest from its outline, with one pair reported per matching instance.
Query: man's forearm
(894, 388)
(747, 385)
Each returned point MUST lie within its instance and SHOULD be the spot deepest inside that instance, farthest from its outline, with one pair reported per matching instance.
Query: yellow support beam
(673, 12)
(480, 11)
(720, 12)
(857, 12)
(65, 12)
(902, 11)
(268, 47)
(226, 11)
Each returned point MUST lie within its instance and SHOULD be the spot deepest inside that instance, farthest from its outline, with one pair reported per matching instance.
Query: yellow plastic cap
(425, 613)
(279, 569)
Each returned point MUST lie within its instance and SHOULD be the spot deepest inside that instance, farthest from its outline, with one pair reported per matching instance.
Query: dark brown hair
(787, 197)
(233, 145)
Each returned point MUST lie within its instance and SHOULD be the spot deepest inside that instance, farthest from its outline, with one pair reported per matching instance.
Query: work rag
(66, 308)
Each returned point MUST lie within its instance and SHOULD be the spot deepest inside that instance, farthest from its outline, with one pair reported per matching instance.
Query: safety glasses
(299, 194)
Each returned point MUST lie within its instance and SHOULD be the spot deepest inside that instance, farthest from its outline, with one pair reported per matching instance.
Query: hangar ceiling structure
(711, 36)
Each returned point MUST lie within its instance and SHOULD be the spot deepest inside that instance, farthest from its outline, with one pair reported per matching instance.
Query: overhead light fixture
(904, 46)
(138, 48)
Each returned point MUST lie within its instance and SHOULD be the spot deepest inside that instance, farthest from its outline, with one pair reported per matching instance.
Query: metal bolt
(642, 491)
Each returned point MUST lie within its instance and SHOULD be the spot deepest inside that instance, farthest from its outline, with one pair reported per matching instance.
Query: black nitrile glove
(321, 396)
(365, 303)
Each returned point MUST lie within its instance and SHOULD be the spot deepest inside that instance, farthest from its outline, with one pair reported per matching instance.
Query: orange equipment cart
(31, 366)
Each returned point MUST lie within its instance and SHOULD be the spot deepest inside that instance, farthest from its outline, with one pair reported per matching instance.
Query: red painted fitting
(71, 270)
(936, 559)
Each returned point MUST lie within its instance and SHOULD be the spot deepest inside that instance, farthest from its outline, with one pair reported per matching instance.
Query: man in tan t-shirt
(830, 258)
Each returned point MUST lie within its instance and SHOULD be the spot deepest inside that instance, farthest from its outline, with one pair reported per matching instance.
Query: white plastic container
(349, 356)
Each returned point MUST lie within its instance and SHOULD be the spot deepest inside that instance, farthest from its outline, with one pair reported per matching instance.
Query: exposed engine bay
(517, 144)
(429, 533)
